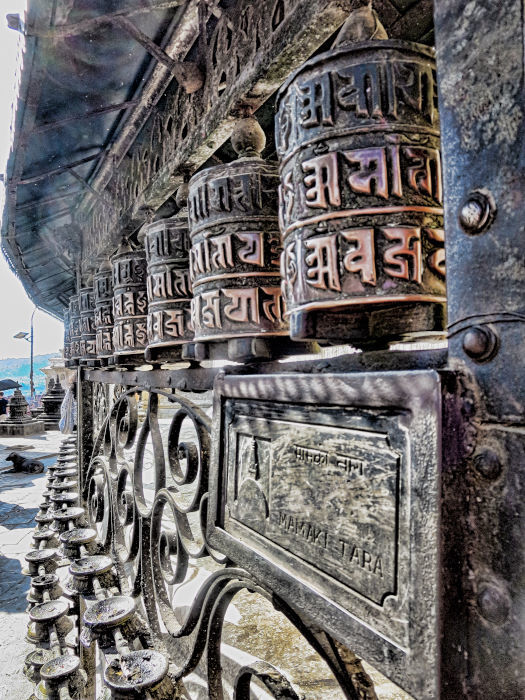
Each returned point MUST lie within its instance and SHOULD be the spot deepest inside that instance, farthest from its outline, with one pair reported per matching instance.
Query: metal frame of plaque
(327, 489)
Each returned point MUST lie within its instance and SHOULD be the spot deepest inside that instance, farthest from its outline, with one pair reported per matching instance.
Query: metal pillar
(31, 381)
(481, 90)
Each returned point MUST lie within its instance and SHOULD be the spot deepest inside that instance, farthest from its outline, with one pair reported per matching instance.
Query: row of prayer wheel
(342, 241)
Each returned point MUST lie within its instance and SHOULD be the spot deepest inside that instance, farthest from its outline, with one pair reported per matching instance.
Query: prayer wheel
(88, 350)
(360, 207)
(103, 286)
(74, 325)
(168, 284)
(130, 302)
(236, 244)
(67, 337)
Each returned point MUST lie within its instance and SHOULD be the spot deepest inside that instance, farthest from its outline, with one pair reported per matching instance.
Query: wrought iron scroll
(146, 495)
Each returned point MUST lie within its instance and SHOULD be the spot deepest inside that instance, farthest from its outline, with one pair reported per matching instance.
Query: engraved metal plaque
(327, 489)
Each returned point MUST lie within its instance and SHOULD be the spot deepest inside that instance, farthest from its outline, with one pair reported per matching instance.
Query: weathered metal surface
(236, 245)
(357, 133)
(158, 543)
(481, 94)
(75, 329)
(250, 63)
(85, 406)
(395, 566)
(86, 299)
(67, 336)
(169, 288)
(202, 378)
(130, 301)
(103, 288)
(326, 506)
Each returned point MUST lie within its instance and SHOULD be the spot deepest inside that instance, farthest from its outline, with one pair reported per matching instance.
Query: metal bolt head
(477, 212)
(480, 343)
(493, 604)
(488, 464)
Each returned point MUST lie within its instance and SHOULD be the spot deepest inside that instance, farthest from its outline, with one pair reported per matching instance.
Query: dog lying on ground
(24, 464)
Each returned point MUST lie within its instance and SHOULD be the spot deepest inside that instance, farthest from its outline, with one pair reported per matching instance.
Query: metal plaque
(327, 489)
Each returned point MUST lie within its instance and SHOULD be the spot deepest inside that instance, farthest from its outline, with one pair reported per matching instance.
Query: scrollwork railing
(224, 633)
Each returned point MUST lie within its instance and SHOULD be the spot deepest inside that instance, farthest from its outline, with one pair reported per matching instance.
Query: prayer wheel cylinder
(360, 200)
(168, 284)
(130, 302)
(103, 286)
(75, 333)
(67, 336)
(88, 348)
(235, 251)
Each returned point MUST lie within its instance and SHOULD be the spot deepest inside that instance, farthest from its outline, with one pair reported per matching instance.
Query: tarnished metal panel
(337, 509)
(357, 133)
(481, 93)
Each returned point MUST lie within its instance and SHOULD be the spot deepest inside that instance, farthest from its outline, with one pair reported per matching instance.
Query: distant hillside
(18, 368)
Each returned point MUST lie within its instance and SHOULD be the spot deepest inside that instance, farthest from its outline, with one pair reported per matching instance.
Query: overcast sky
(15, 307)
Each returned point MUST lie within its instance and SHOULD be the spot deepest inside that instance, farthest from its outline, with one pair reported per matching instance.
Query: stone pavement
(20, 495)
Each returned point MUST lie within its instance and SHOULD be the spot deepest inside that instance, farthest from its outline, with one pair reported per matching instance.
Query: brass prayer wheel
(130, 303)
(103, 286)
(87, 323)
(361, 214)
(67, 336)
(236, 245)
(168, 284)
(74, 325)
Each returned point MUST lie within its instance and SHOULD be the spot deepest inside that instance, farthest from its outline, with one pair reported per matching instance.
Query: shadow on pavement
(19, 480)
(13, 586)
(13, 516)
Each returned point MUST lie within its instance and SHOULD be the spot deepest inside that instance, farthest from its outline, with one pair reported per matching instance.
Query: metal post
(481, 94)
(84, 424)
(31, 383)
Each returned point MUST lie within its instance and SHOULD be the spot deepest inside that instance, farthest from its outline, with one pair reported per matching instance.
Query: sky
(15, 307)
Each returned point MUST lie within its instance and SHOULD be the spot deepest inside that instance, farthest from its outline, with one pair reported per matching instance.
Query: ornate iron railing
(146, 492)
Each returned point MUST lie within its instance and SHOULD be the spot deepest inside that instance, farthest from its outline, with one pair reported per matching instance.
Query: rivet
(488, 464)
(477, 212)
(480, 343)
(493, 604)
